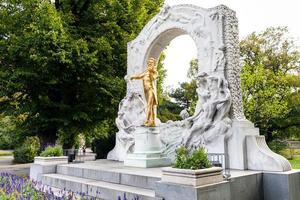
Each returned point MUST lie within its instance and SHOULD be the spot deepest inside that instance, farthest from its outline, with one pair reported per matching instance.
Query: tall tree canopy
(62, 63)
(270, 62)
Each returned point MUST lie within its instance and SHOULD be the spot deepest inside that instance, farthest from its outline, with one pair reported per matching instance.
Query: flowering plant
(13, 187)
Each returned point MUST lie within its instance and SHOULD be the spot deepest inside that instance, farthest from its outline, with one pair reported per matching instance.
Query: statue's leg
(147, 110)
(152, 116)
(147, 113)
(151, 109)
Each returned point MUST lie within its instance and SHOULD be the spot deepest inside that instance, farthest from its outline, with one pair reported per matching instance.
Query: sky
(253, 15)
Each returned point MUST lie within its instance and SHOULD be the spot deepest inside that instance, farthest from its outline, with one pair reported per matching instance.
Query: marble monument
(218, 123)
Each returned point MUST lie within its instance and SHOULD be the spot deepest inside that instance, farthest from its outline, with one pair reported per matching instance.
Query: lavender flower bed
(13, 187)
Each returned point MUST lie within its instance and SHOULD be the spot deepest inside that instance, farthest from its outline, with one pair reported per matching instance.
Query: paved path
(7, 165)
(6, 160)
(20, 169)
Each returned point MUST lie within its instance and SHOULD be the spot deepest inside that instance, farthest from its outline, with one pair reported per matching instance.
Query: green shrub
(197, 160)
(5, 142)
(28, 150)
(277, 146)
(8, 133)
(52, 151)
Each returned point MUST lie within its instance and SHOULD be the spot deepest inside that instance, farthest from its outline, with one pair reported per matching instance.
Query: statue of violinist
(149, 77)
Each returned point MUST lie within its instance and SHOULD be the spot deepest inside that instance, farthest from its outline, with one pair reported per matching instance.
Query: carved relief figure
(219, 58)
(149, 77)
(130, 115)
(211, 117)
(163, 15)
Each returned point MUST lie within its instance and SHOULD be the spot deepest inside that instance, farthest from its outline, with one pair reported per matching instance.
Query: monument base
(107, 180)
(147, 151)
(248, 150)
(146, 160)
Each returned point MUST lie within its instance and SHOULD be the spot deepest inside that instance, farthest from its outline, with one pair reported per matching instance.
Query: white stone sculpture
(212, 118)
(218, 123)
(131, 115)
(184, 114)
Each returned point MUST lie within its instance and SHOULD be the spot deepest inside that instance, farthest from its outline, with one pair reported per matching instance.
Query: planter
(192, 177)
(51, 160)
(85, 157)
(45, 165)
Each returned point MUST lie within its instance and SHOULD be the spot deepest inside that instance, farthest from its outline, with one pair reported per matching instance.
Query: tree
(269, 59)
(162, 74)
(290, 126)
(166, 110)
(63, 63)
(185, 95)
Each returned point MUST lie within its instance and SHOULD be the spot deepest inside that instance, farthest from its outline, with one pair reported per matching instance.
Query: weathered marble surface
(147, 149)
(131, 114)
(212, 116)
(218, 123)
(190, 177)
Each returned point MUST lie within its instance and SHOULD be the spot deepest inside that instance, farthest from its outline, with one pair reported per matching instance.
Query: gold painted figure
(149, 77)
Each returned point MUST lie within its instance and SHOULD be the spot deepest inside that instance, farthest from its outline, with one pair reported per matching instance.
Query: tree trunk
(48, 138)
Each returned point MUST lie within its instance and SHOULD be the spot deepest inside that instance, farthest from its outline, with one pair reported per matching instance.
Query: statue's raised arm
(138, 76)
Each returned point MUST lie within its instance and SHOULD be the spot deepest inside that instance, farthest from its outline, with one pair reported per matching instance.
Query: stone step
(99, 189)
(130, 176)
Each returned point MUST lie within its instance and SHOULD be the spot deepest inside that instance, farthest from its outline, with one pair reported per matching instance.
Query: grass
(295, 163)
(287, 152)
(5, 153)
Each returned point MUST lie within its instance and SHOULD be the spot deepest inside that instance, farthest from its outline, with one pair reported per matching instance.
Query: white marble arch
(219, 123)
(215, 33)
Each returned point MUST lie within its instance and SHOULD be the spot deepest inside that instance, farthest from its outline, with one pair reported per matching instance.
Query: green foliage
(52, 151)
(295, 163)
(101, 146)
(62, 64)
(269, 60)
(186, 95)
(27, 151)
(9, 134)
(183, 97)
(265, 94)
(162, 72)
(168, 110)
(5, 142)
(290, 125)
(197, 160)
(277, 146)
(13, 187)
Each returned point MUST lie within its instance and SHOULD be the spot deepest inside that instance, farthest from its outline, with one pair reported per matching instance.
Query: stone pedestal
(172, 191)
(237, 149)
(281, 185)
(260, 157)
(147, 152)
(45, 165)
(248, 150)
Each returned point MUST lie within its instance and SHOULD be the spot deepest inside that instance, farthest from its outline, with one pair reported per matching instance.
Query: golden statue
(149, 77)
